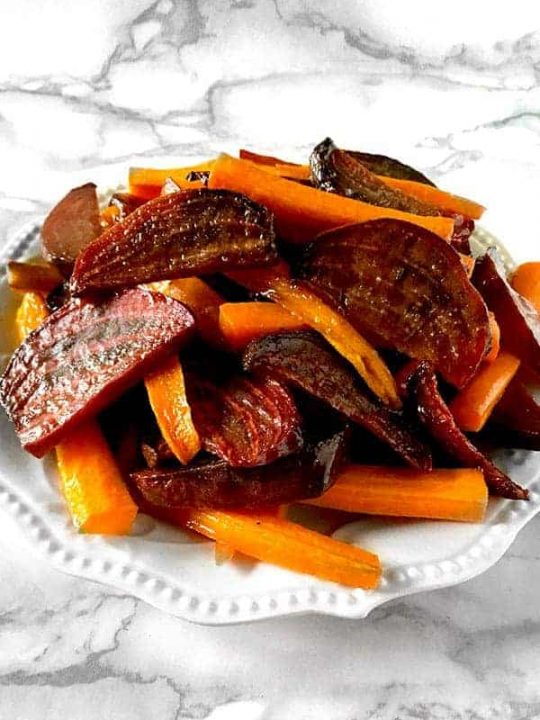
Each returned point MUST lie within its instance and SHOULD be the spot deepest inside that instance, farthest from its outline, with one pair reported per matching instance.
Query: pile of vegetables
(227, 339)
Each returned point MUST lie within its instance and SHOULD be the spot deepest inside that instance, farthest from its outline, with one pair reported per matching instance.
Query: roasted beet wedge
(389, 167)
(440, 424)
(246, 422)
(215, 484)
(518, 319)
(304, 360)
(516, 419)
(84, 356)
(404, 288)
(178, 235)
(335, 170)
(71, 226)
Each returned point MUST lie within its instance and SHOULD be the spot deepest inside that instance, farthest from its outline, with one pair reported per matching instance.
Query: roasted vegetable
(515, 422)
(302, 212)
(246, 422)
(518, 320)
(70, 226)
(31, 313)
(242, 322)
(215, 484)
(473, 405)
(403, 288)
(389, 167)
(440, 424)
(283, 543)
(167, 395)
(147, 183)
(178, 235)
(82, 357)
(306, 361)
(402, 492)
(335, 170)
(31, 277)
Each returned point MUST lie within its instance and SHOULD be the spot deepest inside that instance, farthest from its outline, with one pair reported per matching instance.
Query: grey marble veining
(453, 90)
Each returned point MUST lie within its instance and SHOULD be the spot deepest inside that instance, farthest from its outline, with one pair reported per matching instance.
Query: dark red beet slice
(404, 288)
(515, 422)
(84, 356)
(217, 485)
(518, 319)
(337, 171)
(389, 167)
(304, 360)
(71, 226)
(185, 233)
(440, 424)
(247, 422)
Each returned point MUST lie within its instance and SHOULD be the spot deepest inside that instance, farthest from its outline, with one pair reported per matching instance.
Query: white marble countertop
(454, 92)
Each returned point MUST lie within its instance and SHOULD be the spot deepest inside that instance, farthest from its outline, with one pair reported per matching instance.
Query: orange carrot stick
(473, 405)
(96, 496)
(526, 281)
(93, 488)
(281, 542)
(302, 212)
(147, 182)
(439, 198)
(312, 311)
(495, 339)
(403, 492)
(242, 322)
(167, 395)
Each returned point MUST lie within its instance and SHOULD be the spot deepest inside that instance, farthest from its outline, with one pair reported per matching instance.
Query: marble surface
(456, 94)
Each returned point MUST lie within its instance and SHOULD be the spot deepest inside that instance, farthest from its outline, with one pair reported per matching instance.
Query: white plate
(174, 572)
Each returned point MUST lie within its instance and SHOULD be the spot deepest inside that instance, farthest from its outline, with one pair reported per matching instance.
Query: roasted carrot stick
(147, 182)
(167, 395)
(284, 543)
(495, 339)
(92, 485)
(242, 322)
(302, 212)
(439, 198)
(312, 311)
(260, 279)
(526, 281)
(440, 494)
(90, 481)
(473, 405)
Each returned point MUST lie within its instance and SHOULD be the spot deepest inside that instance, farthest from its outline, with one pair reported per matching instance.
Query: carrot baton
(303, 212)
(284, 543)
(473, 405)
(403, 492)
(240, 323)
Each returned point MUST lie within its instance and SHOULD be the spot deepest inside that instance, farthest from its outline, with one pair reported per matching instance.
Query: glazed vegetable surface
(229, 338)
